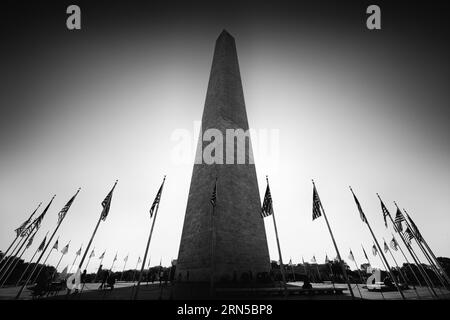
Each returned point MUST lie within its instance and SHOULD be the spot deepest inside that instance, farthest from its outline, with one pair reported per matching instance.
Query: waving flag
(106, 203)
(317, 209)
(139, 260)
(365, 254)
(267, 209)
(385, 212)
(399, 218)
(386, 248)
(115, 257)
(37, 222)
(42, 245)
(20, 230)
(313, 260)
(374, 250)
(361, 212)
(92, 254)
(79, 251)
(394, 244)
(55, 246)
(102, 256)
(415, 230)
(65, 209)
(157, 198)
(30, 241)
(65, 249)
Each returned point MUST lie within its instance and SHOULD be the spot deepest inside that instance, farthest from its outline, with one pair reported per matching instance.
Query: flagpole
(334, 243)
(148, 245)
(18, 234)
(87, 265)
(16, 262)
(123, 270)
(382, 254)
(331, 274)
(74, 260)
(359, 273)
(413, 255)
(29, 263)
(43, 264)
(135, 269)
(365, 254)
(59, 261)
(12, 260)
(419, 244)
(437, 265)
(101, 265)
(399, 269)
(407, 261)
(60, 220)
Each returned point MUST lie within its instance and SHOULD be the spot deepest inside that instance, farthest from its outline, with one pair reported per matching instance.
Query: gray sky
(352, 107)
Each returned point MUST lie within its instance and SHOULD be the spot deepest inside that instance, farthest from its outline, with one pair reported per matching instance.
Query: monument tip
(225, 33)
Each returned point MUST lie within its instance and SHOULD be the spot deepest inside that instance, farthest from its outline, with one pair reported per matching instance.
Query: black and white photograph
(244, 155)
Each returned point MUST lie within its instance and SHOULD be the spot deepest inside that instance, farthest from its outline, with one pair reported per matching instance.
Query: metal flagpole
(278, 244)
(381, 252)
(29, 263)
(148, 245)
(123, 270)
(60, 220)
(100, 266)
(74, 260)
(12, 260)
(43, 264)
(18, 235)
(359, 273)
(331, 273)
(344, 272)
(59, 261)
(384, 266)
(399, 269)
(437, 265)
(407, 261)
(413, 255)
(135, 269)
(98, 223)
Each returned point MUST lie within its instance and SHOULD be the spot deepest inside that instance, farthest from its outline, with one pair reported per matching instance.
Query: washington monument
(226, 241)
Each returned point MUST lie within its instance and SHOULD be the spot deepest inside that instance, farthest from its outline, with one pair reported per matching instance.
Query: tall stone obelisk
(240, 244)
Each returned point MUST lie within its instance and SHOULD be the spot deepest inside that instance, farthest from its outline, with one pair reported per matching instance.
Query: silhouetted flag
(79, 251)
(350, 256)
(66, 208)
(20, 230)
(115, 257)
(361, 212)
(267, 209)
(157, 198)
(408, 235)
(102, 256)
(415, 230)
(30, 241)
(394, 244)
(42, 245)
(92, 254)
(386, 248)
(374, 250)
(290, 262)
(326, 259)
(398, 219)
(65, 249)
(106, 203)
(317, 211)
(139, 260)
(55, 246)
(313, 260)
(37, 222)
(385, 212)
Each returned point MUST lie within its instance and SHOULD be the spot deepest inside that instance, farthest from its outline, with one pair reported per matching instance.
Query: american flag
(106, 203)
(415, 230)
(398, 219)
(30, 241)
(213, 198)
(317, 212)
(361, 212)
(267, 209)
(157, 199)
(20, 230)
(63, 212)
(394, 244)
(37, 222)
(408, 235)
(385, 213)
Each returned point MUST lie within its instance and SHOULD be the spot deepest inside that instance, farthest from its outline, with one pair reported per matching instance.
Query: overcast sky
(353, 107)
